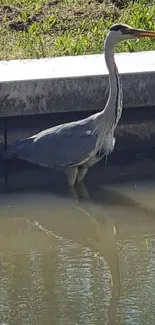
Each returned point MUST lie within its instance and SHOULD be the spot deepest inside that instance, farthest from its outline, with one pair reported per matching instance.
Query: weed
(45, 28)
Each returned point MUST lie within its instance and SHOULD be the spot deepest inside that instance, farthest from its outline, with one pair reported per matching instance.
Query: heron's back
(64, 145)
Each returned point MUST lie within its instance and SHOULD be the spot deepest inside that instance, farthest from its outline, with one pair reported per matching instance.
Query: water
(68, 261)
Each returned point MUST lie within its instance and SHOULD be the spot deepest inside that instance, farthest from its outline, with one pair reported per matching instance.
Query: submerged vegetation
(45, 28)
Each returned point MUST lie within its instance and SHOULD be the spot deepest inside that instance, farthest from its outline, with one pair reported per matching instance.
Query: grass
(45, 28)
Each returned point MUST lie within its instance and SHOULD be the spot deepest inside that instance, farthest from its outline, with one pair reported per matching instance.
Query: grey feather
(63, 145)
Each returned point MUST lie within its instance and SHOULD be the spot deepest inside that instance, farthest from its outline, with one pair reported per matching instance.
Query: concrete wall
(73, 83)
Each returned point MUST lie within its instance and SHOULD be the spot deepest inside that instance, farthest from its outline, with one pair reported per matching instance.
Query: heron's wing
(64, 145)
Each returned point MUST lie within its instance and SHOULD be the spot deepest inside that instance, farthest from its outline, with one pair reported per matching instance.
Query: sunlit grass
(42, 28)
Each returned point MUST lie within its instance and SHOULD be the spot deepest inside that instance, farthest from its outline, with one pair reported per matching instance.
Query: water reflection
(65, 261)
(137, 304)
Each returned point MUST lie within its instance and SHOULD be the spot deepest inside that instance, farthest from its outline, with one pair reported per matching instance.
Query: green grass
(45, 28)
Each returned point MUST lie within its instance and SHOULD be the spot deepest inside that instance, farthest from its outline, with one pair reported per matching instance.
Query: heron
(78, 145)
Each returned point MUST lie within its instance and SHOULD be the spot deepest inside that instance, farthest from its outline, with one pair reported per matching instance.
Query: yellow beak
(142, 33)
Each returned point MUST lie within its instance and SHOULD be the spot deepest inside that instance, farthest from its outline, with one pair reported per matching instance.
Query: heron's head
(122, 32)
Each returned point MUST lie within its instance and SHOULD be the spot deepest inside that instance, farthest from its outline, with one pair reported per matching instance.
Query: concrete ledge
(73, 83)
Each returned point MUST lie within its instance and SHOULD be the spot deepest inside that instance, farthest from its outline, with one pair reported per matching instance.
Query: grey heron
(76, 146)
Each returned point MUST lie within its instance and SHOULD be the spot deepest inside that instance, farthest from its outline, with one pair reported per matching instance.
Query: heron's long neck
(113, 107)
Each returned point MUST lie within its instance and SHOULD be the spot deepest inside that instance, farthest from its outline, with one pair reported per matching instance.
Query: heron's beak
(142, 33)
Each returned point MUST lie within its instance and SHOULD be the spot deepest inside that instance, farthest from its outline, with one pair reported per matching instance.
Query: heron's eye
(125, 31)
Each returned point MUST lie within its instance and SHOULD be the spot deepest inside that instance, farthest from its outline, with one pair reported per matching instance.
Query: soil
(11, 16)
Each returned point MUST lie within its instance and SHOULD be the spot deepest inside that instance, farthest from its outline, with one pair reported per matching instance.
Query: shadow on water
(93, 220)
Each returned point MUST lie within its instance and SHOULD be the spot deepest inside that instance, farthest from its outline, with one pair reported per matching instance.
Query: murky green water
(68, 262)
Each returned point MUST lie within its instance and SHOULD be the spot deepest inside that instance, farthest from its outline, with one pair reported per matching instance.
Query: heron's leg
(71, 173)
(72, 192)
(81, 174)
(82, 191)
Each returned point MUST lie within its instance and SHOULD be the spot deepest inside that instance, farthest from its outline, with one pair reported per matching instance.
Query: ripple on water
(137, 305)
(66, 285)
